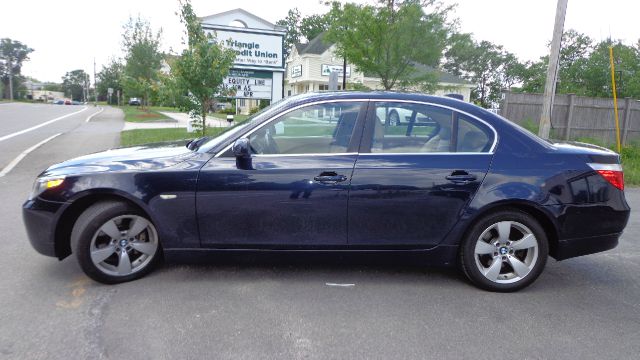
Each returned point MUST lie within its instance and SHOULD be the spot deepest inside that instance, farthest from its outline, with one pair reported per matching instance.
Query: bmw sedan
(452, 183)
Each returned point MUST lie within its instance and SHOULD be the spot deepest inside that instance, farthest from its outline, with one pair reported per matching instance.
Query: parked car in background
(134, 101)
(451, 183)
(67, 102)
(58, 102)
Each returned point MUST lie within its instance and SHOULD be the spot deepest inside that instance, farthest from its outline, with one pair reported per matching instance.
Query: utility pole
(10, 78)
(552, 71)
(95, 84)
(344, 73)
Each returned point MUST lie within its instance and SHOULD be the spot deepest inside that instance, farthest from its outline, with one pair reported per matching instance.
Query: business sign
(249, 84)
(252, 48)
(326, 70)
(296, 71)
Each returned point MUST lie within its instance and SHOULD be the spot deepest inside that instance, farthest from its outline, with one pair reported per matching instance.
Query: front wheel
(114, 242)
(505, 251)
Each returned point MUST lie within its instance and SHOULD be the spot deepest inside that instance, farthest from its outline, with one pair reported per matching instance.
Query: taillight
(610, 172)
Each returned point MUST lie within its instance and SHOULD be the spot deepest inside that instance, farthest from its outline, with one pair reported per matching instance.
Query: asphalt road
(261, 308)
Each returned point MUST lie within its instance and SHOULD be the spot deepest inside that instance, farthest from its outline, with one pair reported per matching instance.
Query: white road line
(19, 158)
(40, 125)
(340, 285)
(94, 114)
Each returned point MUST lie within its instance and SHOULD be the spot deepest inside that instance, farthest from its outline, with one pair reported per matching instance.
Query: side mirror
(241, 148)
(242, 151)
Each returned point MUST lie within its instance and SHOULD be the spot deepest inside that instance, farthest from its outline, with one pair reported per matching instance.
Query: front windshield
(238, 129)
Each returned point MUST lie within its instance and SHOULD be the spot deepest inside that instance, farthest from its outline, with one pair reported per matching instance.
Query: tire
(394, 118)
(522, 253)
(115, 242)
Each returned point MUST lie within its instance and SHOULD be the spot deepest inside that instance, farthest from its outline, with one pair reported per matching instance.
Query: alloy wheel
(506, 252)
(124, 245)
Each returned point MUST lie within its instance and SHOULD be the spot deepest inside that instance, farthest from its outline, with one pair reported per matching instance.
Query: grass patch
(136, 114)
(147, 136)
(164, 108)
(631, 164)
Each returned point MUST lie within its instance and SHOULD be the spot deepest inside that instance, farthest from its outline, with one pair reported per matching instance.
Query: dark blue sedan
(349, 171)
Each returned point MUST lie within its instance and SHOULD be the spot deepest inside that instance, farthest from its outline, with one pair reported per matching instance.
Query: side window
(315, 129)
(411, 128)
(472, 136)
(417, 128)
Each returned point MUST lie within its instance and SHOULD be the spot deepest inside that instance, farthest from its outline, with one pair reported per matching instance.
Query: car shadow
(331, 266)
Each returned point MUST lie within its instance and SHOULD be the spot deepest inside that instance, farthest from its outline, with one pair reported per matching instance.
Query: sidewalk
(182, 120)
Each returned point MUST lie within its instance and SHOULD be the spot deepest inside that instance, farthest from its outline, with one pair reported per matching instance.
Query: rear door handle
(461, 176)
(330, 177)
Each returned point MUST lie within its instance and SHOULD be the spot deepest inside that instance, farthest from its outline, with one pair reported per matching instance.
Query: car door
(293, 192)
(413, 178)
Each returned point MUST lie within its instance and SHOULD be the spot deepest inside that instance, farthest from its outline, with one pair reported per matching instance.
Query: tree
(142, 58)
(292, 24)
(75, 83)
(388, 40)
(302, 28)
(483, 63)
(12, 55)
(202, 67)
(314, 25)
(110, 77)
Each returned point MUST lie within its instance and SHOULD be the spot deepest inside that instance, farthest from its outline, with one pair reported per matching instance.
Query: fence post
(505, 103)
(567, 130)
(625, 122)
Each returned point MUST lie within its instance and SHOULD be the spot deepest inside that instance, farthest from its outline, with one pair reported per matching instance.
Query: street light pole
(552, 71)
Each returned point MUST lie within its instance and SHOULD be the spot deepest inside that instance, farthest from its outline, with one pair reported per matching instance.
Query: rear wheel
(505, 251)
(394, 118)
(114, 242)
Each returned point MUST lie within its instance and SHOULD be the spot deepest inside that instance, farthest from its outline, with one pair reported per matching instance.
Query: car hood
(137, 158)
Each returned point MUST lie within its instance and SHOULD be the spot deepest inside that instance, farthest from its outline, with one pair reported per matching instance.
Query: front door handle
(330, 177)
(461, 177)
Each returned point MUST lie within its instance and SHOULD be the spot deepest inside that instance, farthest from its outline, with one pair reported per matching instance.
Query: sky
(69, 35)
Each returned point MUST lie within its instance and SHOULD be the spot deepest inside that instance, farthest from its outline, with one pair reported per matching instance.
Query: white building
(309, 66)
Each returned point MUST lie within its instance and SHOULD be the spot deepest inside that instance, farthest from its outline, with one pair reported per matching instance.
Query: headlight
(45, 183)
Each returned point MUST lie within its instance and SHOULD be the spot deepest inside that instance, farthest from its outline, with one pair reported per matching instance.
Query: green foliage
(142, 59)
(110, 77)
(12, 55)
(314, 25)
(201, 68)
(74, 84)
(292, 24)
(136, 114)
(357, 86)
(53, 87)
(584, 68)
(388, 40)
(302, 28)
(631, 164)
(531, 125)
(483, 63)
(147, 136)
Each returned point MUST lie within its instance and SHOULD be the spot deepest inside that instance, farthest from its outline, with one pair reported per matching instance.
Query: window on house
(323, 87)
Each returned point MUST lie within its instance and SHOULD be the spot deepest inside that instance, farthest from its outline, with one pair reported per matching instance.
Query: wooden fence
(574, 117)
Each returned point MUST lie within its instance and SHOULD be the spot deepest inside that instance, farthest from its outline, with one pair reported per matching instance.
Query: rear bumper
(570, 248)
(39, 218)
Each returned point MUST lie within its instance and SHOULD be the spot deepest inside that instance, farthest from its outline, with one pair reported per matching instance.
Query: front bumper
(39, 218)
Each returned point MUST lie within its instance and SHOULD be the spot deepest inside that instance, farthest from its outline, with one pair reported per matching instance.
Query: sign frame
(215, 28)
(326, 69)
(262, 74)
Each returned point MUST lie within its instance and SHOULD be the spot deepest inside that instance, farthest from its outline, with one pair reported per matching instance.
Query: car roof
(383, 95)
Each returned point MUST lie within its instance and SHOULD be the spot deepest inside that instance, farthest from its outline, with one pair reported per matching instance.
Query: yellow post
(615, 97)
